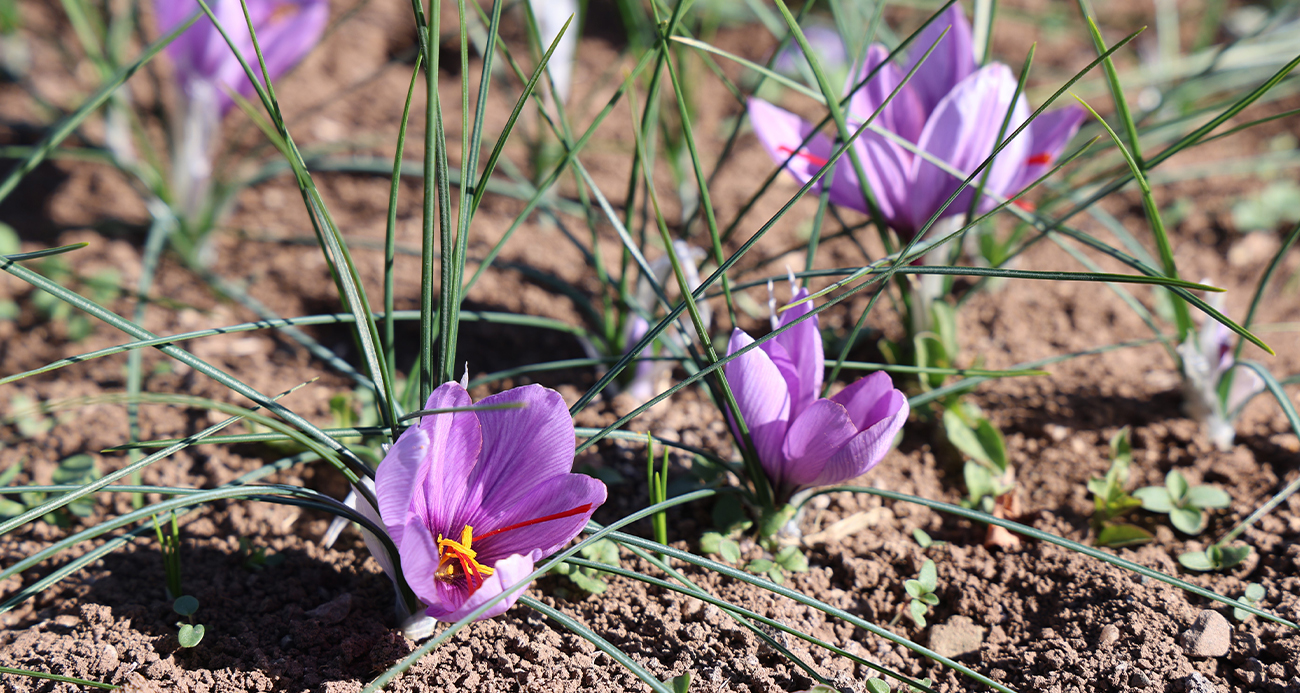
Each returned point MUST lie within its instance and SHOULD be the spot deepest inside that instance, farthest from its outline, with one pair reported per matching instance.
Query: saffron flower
(286, 31)
(206, 68)
(801, 439)
(473, 499)
(950, 110)
(1207, 359)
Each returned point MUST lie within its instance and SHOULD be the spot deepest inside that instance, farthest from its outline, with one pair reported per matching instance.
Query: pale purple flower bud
(826, 44)
(801, 439)
(286, 31)
(473, 499)
(1206, 360)
(951, 110)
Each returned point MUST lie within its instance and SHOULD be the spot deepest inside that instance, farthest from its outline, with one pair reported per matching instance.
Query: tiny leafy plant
(1216, 557)
(1111, 501)
(1253, 596)
(924, 540)
(191, 633)
(255, 558)
(589, 579)
(988, 474)
(922, 592)
(1185, 505)
(787, 559)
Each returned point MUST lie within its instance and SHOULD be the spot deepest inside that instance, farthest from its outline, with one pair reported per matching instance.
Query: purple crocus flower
(286, 31)
(800, 439)
(473, 499)
(949, 109)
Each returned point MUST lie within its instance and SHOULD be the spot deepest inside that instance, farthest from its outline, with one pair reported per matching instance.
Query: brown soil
(1034, 617)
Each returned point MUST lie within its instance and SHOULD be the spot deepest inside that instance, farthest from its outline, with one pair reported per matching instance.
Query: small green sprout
(988, 473)
(924, 682)
(716, 544)
(875, 685)
(190, 634)
(921, 590)
(589, 579)
(787, 559)
(1186, 505)
(1254, 595)
(1111, 501)
(255, 558)
(680, 683)
(1216, 557)
(924, 540)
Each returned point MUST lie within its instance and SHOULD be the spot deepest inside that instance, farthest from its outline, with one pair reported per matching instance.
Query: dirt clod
(956, 637)
(1209, 636)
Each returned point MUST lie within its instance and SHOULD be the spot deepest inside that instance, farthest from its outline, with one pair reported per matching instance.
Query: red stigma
(810, 158)
(1026, 205)
(536, 521)
(1042, 158)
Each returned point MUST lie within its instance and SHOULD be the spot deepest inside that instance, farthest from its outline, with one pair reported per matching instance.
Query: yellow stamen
(457, 558)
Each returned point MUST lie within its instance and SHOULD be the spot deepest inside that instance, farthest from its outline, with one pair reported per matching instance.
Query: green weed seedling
(255, 558)
(1111, 501)
(680, 684)
(1254, 595)
(924, 540)
(922, 592)
(1185, 505)
(988, 473)
(787, 559)
(1216, 557)
(189, 633)
(589, 579)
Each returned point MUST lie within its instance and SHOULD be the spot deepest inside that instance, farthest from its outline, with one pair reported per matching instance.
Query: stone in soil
(957, 636)
(1209, 636)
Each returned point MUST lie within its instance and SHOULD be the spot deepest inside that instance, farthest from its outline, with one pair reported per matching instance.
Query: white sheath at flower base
(551, 16)
(648, 373)
(1207, 358)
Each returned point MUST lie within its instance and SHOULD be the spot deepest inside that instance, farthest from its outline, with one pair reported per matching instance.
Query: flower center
(458, 559)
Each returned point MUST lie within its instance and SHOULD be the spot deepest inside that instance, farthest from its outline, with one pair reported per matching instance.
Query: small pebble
(334, 611)
(1209, 636)
(1197, 683)
(1109, 636)
(1138, 680)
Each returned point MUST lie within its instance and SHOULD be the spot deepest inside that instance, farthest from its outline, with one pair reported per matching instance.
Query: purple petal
(904, 115)
(419, 552)
(556, 495)
(521, 447)
(803, 344)
(780, 132)
(950, 63)
(817, 435)
(962, 132)
(508, 571)
(886, 164)
(762, 397)
(1048, 135)
(422, 480)
(866, 449)
(867, 400)
(286, 31)
(826, 44)
(1246, 383)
